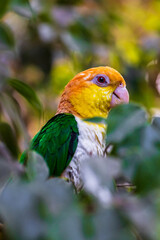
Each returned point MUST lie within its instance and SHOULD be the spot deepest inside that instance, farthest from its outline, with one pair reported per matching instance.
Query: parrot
(68, 139)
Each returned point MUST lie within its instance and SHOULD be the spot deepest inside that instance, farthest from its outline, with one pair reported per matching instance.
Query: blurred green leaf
(5, 167)
(11, 109)
(27, 92)
(23, 8)
(96, 120)
(147, 177)
(98, 176)
(47, 207)
(140, 215)
(9, 138)
(130, 152)
(6, 36)
(3, 7)
(36, 167)
(19, 2)
(110, 225)
(123, 120)
(18, 199)
(151, 137)
(140, 146)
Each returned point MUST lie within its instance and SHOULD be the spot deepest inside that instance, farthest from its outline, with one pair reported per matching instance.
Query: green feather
(56, 142)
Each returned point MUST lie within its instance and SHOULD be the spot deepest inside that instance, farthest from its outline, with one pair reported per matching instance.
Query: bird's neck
(81, 111)
(66, 106)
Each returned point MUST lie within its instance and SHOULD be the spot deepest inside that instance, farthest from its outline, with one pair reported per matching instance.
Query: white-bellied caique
(66, 140)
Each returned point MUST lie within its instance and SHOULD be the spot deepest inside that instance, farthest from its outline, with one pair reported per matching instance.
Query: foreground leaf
(9, 138)
(6, 36)
(3, 7)
(36, 167)
(27, 92)
(123, 120)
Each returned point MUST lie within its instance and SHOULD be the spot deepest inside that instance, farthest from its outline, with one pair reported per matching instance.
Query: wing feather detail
(56, 142)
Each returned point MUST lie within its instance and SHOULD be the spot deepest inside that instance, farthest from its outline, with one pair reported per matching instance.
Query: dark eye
(101, 79)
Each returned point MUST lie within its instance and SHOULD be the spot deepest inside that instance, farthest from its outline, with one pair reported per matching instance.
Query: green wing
(56, 142)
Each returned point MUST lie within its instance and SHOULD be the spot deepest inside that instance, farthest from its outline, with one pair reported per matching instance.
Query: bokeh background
(43, 44)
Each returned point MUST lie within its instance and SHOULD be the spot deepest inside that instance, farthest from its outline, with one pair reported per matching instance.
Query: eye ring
(101, 80)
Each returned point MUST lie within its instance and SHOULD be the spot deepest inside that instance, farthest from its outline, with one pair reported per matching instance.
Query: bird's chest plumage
(91, 143)
(91, 139)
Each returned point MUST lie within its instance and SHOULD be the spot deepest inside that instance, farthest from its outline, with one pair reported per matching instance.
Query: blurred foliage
(43, 44)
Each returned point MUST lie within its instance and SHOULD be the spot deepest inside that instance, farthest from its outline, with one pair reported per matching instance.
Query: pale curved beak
(119, 96)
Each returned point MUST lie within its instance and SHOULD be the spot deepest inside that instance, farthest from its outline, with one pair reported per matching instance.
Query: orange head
(93, 92)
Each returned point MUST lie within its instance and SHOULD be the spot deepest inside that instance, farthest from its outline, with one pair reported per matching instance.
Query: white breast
(91, 142)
